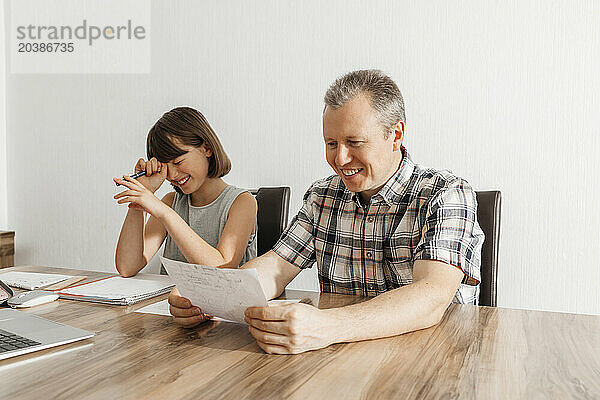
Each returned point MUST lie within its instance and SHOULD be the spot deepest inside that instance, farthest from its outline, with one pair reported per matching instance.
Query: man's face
(356, 148)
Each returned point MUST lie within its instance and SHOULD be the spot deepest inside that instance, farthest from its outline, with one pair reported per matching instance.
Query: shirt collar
(395, 186)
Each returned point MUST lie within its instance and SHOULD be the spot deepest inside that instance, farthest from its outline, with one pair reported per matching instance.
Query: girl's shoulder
(237, 195)
(245, 198)
(244, 201)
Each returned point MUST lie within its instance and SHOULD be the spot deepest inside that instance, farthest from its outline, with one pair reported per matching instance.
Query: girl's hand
(138, 196)
(156, 173)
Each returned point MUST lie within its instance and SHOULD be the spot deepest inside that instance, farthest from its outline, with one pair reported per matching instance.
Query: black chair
(272, 218)
(488, 216)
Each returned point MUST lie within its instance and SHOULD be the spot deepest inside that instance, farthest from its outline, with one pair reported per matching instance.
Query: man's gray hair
(385, 97)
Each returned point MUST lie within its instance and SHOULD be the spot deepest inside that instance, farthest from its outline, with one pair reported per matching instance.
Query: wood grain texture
(474, 353)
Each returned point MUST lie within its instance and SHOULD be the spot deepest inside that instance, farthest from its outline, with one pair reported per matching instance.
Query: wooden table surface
(474, 353)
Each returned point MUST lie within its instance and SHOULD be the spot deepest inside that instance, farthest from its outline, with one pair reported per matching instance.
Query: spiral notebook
(117, 290)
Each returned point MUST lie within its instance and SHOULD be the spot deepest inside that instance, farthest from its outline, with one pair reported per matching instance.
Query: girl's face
(189, 171)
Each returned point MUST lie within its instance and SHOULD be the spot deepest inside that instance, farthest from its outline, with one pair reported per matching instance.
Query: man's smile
(350, 172)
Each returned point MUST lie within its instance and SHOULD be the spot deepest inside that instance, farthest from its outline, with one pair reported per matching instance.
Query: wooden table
(474, 353)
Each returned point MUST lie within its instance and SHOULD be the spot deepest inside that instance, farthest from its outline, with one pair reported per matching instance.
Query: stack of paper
(117, 290)
(31, 280)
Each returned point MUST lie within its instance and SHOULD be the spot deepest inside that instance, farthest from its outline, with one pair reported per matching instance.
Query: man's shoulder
(429, 182)
(424, 176)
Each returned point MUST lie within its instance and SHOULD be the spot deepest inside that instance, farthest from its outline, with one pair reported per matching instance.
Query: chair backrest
(272, 218)
(488, 216)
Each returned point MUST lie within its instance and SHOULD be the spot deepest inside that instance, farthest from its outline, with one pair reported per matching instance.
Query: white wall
(3, 173)
(505, 95)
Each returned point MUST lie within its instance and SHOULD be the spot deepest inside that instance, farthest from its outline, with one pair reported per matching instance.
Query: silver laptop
(22, 333)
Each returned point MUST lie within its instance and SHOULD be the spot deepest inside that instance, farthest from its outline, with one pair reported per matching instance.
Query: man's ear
(398, 135)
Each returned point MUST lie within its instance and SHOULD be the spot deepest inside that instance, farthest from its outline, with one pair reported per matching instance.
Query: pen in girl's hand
(134, 176)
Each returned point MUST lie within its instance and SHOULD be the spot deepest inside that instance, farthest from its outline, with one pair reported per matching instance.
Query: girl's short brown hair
(187, 126)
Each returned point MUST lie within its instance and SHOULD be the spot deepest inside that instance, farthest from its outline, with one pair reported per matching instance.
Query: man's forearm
(274, 273)
(406, 309)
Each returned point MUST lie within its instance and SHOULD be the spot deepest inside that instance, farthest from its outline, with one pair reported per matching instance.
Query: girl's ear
(207, 150)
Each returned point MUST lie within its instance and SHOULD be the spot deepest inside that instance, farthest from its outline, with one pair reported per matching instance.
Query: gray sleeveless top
(207, 221)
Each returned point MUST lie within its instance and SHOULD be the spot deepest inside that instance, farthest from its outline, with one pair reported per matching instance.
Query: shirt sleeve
(451, 233)
(296, 244)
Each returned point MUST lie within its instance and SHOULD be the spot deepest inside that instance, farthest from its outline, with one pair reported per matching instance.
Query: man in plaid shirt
(382, 227)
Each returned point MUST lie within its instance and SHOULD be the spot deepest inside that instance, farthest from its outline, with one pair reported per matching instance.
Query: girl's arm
(241, 223)
(138, 243)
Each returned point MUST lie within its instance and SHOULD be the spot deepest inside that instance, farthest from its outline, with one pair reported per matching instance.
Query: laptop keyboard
(10, 341)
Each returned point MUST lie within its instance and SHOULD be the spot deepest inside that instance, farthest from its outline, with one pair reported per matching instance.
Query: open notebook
(118, 290)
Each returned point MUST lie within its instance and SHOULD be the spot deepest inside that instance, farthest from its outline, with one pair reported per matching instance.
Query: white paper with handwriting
(222, 292)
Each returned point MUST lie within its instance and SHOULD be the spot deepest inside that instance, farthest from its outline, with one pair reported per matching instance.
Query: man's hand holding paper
(290, 328)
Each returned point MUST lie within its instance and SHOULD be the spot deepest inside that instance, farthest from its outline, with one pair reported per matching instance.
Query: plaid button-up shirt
(367, 249)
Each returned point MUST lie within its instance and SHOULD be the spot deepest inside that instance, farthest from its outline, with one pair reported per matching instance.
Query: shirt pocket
(398, 248)
(397, 273)
(398, 260)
